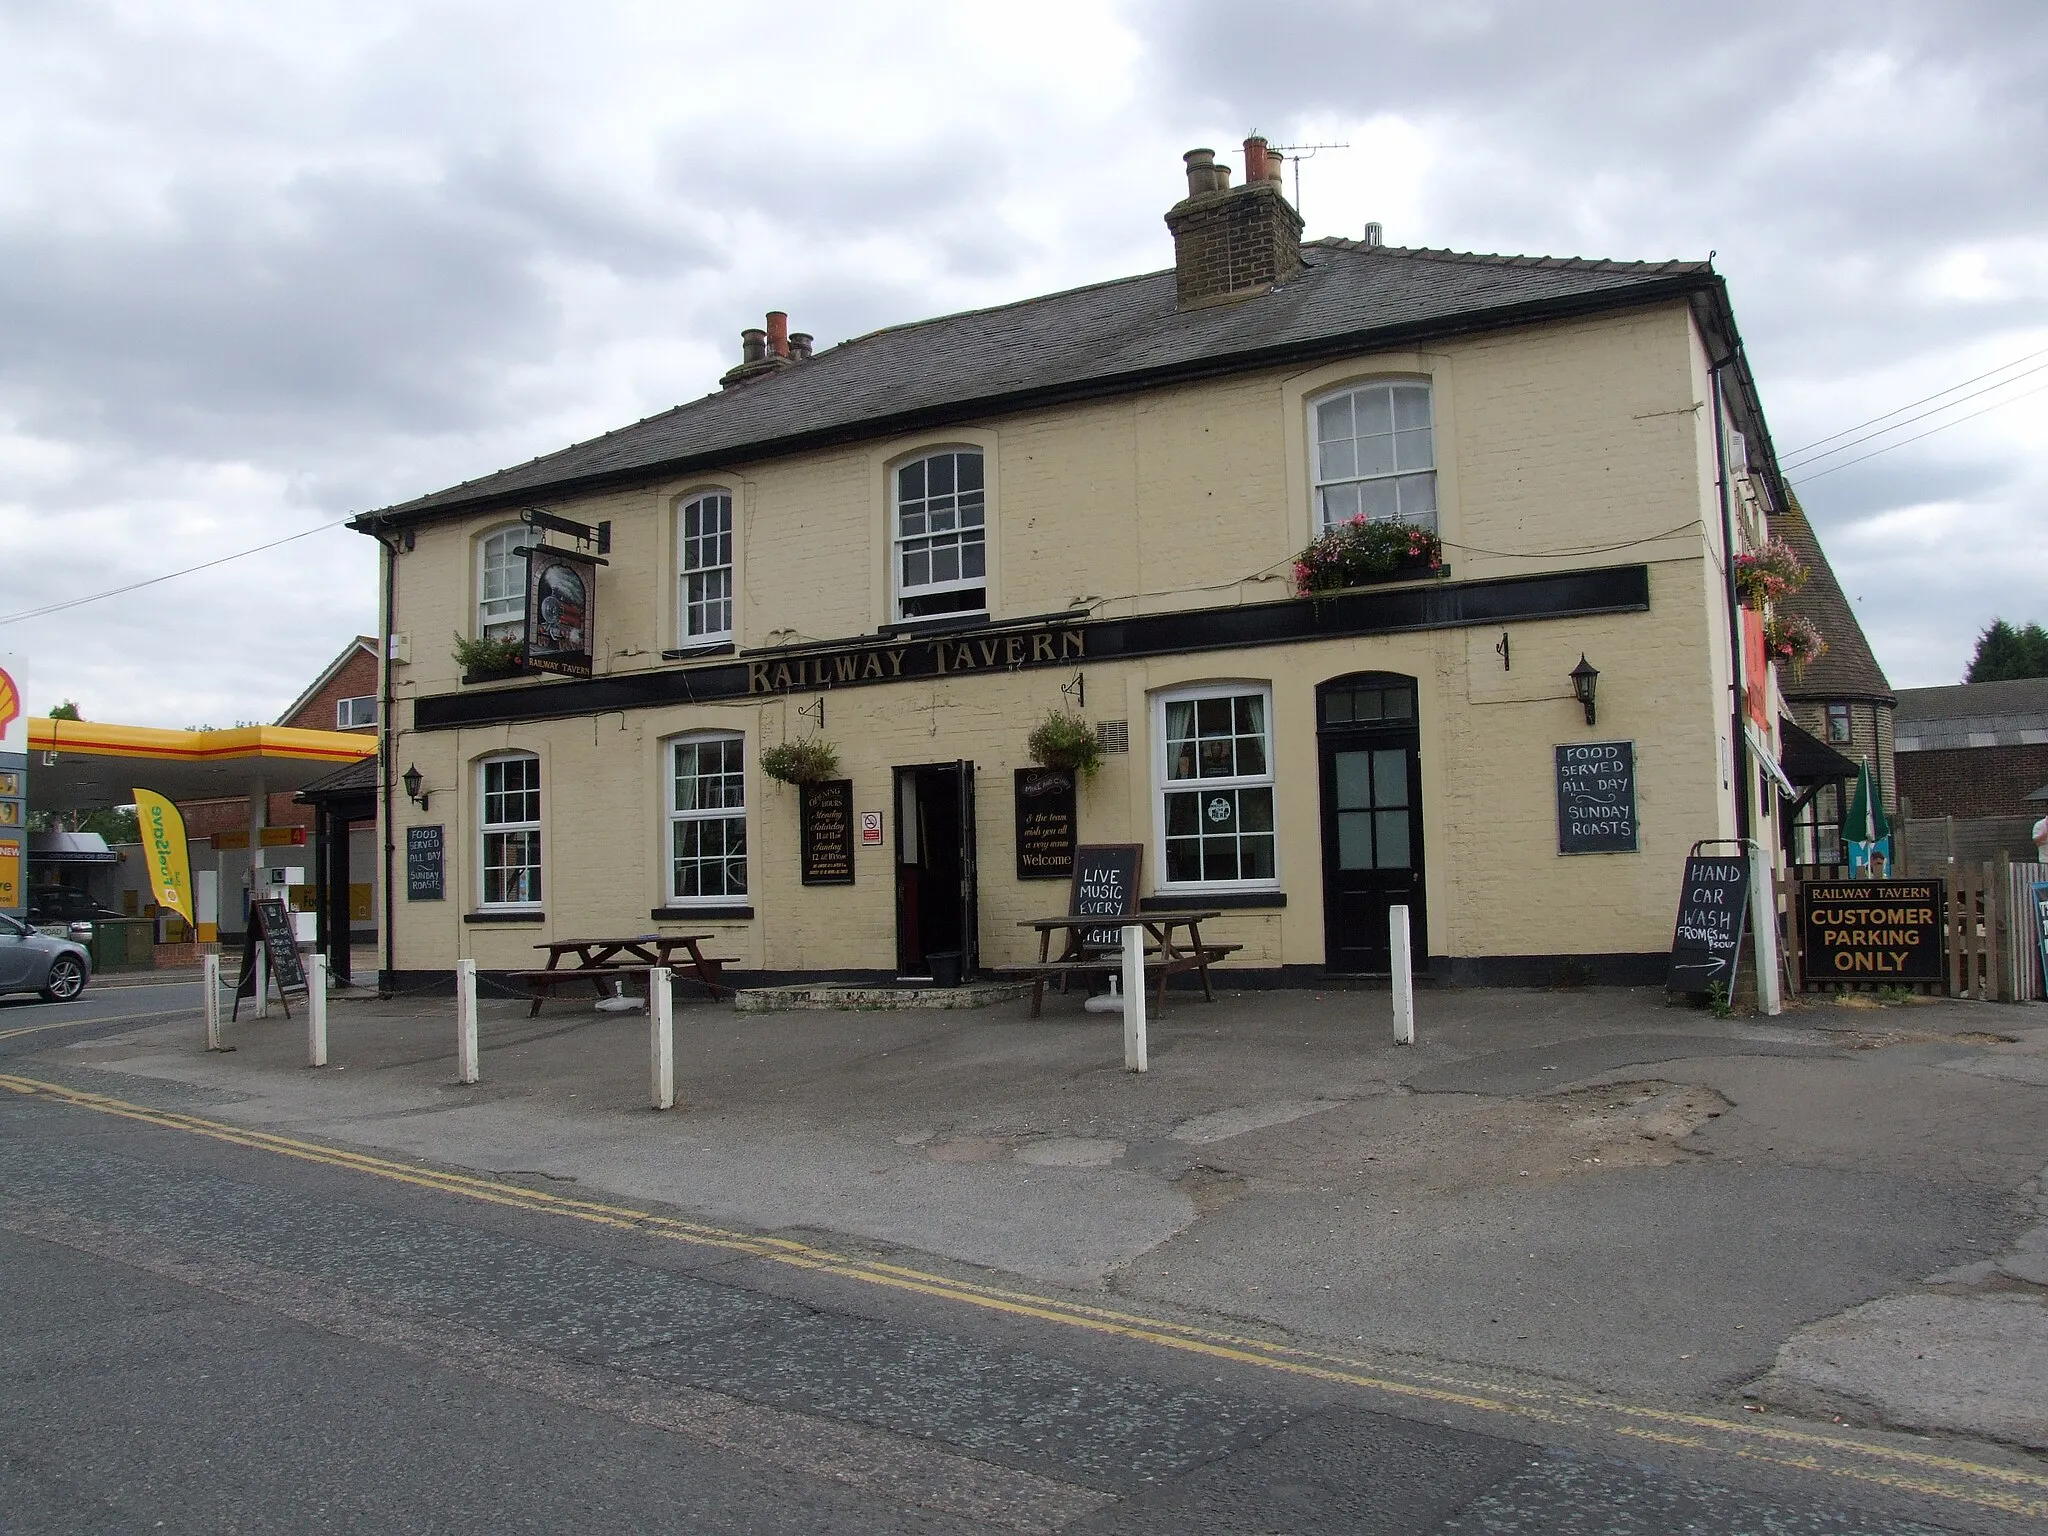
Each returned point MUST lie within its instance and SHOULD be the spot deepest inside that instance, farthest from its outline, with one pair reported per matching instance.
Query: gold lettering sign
(938, 657)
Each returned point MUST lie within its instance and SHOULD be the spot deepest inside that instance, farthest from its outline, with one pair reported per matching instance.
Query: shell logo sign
(10, 708)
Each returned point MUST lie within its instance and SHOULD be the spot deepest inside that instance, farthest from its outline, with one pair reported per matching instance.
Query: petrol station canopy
(79, 765)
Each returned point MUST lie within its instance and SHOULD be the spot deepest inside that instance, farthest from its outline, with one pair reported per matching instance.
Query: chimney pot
(753, 345)
(1254, 161)
(800, 344)
(1275, 164)
(778, 332)
(1200, 163)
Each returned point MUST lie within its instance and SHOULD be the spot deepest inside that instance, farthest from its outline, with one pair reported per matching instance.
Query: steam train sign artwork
(561, 610)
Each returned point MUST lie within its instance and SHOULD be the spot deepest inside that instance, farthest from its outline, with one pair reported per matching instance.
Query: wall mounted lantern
(412, 782)
(1585, 679)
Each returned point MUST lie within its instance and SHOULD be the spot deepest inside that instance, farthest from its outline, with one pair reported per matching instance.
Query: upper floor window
(941, 535)
(1216, 784)
(1838, 725)
(510, 823)
(1375, 456)
(704, 537)
(501, 584)
(708, 819)
(352, 713)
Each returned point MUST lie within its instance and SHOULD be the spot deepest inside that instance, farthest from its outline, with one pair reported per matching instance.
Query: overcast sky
(262, 265)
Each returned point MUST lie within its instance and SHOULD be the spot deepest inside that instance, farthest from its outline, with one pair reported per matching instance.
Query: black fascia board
(1379, 338)
(1715, 316)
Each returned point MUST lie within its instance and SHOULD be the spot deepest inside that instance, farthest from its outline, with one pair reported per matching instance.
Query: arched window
(1375, 455)
(704, 555)
(509, 820)
(707, 819)
(501, 584)
(940, 514)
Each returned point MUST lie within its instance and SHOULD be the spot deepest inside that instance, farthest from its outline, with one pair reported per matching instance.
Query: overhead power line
(137, 586)
(1888, 447)
(1793, 453)
(1811, 459)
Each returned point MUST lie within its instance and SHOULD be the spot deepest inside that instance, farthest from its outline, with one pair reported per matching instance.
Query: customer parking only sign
(1872, 931)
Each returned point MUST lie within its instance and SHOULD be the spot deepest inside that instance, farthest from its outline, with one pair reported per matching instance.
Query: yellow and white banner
(164, 853)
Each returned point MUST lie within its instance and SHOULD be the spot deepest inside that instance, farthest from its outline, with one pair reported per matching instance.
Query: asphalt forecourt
(1257, 1387)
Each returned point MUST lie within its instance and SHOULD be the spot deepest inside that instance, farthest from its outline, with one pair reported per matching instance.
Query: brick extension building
(1974, 752)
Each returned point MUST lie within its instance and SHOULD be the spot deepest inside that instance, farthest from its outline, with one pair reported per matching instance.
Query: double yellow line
(2011, 1490)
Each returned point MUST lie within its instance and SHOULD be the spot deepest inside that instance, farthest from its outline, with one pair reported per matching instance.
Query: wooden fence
(1989, 928)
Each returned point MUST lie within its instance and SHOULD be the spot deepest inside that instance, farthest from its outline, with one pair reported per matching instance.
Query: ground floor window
(1817, 833)
(1215, 783)
(511, 830)
(708, 819)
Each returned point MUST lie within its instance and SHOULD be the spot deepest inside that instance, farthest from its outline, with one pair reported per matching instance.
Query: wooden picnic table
(599, 962)
(1077, 958)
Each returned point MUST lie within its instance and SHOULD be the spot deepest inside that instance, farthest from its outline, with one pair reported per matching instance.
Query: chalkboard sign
(825, 831)
(1873, 931)
(2039, 896)
(271, 926)
(1713, 908)
(1596, 797)
(1105, 884)
(423, 864)
(1046, 823)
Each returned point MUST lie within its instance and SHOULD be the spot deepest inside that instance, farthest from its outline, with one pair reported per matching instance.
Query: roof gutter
(1660, 290)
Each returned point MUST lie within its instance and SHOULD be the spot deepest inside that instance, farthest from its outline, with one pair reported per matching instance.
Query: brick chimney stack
(766, 350)
(1230, 242)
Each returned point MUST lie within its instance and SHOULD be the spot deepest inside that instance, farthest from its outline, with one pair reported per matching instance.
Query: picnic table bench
(1163, 956)
(600, 962)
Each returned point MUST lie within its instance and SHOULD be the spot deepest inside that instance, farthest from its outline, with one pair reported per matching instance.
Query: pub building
(913, 546)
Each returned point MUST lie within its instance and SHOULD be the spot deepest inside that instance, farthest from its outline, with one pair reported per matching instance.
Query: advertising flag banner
(1868, 830)
(561, 611)
(1756, 671)
(163, 851)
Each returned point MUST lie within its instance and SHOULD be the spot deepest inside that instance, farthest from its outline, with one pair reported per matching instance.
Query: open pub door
(937, 898)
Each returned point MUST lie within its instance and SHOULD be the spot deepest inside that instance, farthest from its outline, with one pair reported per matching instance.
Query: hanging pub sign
(825, 831)
(1596, 797)
(561, 610)
(1872, 931)
(423, 864)
(1713, 912)
(1045, 823)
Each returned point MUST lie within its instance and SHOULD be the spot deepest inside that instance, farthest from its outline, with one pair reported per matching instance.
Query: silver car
(37, 962)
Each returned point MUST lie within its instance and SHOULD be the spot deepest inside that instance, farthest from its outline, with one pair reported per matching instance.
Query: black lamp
(1585, 678)
(412, 779)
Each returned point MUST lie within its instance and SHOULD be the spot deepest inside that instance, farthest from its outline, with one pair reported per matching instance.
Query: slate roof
(356, 778)
(1103, 339)
(1849, 670)
(2007, 714)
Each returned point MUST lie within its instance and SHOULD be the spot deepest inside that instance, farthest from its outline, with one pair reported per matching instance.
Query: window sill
(696, 652)
(1225, 901)
(702, 914)
(951, 621)
(522, 915)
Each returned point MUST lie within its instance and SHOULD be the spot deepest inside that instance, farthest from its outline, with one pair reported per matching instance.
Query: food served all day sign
(1873, 930)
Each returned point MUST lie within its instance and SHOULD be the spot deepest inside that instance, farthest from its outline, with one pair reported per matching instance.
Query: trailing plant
(1790, 639)
(801, 762)
(488, 653)
(1362, 550)
(1767, 574)
(1065, 741)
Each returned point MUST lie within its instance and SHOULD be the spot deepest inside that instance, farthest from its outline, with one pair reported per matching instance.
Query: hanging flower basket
(1790, 640)
(1359, 552)
(1066, 742)
(801, 762)
(1767, 574)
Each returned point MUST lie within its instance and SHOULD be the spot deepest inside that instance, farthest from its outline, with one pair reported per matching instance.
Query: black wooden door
(1371, 768)
(970, 890)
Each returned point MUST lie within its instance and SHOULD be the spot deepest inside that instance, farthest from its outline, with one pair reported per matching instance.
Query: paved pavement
(1551, 1192)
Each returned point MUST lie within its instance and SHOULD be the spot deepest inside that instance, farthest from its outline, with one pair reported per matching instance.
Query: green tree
(68, 710)
(2005, 652)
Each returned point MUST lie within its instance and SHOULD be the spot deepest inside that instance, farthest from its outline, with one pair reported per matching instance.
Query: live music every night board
(1596, 797)
(1106, 885)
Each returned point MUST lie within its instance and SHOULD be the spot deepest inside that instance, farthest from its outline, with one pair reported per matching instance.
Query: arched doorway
(1369, 745)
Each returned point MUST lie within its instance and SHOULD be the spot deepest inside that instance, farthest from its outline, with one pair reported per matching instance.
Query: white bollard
(661, 1036)
(316, 1009)
(465, 1022)
(1134, 1000)
(210, 972)
(1763, 931)
(1404, 976)
(262, 975)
